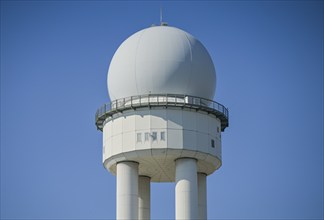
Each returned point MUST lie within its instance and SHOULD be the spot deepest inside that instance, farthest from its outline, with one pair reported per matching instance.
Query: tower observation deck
(162, 124)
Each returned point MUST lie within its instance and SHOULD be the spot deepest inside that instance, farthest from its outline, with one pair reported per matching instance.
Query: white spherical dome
(161, 60)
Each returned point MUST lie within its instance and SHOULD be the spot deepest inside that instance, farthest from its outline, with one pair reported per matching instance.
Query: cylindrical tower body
(186, 189)
(202, 196)
(127, 190)
(144, 198)
(162, 122)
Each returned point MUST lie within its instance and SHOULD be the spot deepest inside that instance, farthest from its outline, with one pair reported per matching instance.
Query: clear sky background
(269, 61)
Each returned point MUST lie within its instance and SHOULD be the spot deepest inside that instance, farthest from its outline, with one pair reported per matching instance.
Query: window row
(153, 136)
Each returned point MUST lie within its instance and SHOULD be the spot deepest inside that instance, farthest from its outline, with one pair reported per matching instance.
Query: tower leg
(186, 189)
(144, 200)
(127, 190)
(202, 196)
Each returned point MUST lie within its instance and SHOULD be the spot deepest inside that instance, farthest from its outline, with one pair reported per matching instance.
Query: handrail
(151, 100)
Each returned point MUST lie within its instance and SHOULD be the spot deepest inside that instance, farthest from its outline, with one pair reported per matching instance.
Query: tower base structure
(162, 139)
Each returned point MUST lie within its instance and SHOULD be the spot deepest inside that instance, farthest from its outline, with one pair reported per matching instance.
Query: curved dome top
(161, 60)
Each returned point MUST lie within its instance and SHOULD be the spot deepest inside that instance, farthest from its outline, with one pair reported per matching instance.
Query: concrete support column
(202, 196)
(144, 198)
(186, 189)
(127, 190)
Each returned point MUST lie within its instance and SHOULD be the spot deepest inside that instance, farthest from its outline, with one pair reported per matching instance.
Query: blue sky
(269, 62)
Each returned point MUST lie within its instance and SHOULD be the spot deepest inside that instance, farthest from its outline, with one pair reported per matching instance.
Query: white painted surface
(189, 120)
(174, 118)
(128, 141)
(144, 198)
(175, 138)
(128, 124)
(161, 60)
(127, 191)
(202, 196)
(158, 119)
(190, 139)
(186, 189)
(202, 123)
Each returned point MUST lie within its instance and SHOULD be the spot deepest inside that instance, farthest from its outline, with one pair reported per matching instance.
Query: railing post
(131, 102)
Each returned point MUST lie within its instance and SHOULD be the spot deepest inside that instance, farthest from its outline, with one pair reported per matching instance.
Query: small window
(154, 136)
(147, 135)
(139, 137)
(212, 143)
(162, 136)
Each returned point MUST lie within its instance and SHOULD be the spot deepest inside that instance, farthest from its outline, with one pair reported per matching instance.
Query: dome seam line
(190, 73)
(139, 41)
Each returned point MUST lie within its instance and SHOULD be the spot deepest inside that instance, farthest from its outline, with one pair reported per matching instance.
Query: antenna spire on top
(162, 23)
(161, 15)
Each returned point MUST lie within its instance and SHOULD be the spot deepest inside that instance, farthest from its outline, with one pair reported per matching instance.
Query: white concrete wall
(183, 129)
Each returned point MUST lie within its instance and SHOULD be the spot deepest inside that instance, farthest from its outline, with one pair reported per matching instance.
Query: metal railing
(167, 100)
